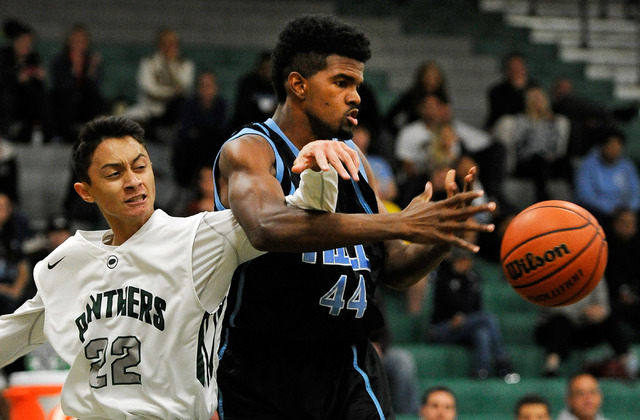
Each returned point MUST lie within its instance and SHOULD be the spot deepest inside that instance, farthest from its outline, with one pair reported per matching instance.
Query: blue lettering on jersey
(340, 256)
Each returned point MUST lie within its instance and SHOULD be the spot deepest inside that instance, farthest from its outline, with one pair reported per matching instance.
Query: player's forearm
(407, 264)
(297, 230)
(21, 331)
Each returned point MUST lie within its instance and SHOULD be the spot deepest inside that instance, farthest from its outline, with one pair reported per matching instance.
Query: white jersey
(138, 323)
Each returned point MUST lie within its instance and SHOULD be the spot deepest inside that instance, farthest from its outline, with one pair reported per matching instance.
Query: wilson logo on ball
(519, 267)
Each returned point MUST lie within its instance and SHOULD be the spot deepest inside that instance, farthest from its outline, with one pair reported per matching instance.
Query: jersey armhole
(243, 132)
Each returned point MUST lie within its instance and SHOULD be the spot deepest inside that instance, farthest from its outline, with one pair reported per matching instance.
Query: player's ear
(82, 189)
(297, 84)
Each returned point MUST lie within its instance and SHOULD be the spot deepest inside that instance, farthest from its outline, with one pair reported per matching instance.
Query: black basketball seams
(573, 258)
(549, 206)
(588, 282)
(545, 234)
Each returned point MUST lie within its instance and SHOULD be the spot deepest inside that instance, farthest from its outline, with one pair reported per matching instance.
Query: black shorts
(304, 383)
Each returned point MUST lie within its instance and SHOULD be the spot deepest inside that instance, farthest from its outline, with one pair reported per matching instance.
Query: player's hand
(440, 222)
(451, 185)
(320, 155)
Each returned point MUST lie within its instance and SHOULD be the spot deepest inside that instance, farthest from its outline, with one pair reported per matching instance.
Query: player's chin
(345, 132)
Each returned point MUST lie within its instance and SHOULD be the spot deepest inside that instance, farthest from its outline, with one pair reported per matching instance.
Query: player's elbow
(265, 236)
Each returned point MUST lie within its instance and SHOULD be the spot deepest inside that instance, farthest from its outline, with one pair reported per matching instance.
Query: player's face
(122, 183)
(332, 97)
(533, 412)
(440, 406)
(585, 397)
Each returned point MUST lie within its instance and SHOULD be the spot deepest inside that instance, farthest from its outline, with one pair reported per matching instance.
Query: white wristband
(317, 191)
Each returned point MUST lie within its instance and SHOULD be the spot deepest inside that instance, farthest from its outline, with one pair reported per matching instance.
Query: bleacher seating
(226, 36)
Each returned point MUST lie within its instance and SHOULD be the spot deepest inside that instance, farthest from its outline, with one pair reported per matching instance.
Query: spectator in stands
(164, 80)
(622, 275)
(411, 146)
(445, 147)
(507, 97)
(203, 130)
(255, 96)
(203, 199)
(489, 153)
(439, 403)
(429, 78)
(8, 170)
(458, 316)
(588, 118)
(583, 399)
(537, 141)
(24, 110)
(582, 325)
(76, 74)
(14, 267)
(532, 407)
(607, 179)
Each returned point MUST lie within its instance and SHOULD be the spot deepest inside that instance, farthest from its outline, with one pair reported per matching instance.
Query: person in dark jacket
(458, 316)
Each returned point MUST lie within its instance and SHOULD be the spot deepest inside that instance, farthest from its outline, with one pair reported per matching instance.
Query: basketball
(553, 253)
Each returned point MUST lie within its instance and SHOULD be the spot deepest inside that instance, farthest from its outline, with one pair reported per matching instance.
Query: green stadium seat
(517, 328)
(440, 360)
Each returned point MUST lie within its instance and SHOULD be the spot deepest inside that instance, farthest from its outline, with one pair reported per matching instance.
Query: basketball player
(135, 310)
(295, 343)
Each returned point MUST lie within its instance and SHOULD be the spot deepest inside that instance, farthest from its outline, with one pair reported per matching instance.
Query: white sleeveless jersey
(128, 320)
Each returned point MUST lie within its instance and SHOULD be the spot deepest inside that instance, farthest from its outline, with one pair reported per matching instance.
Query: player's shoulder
(221, 221)
(248, 146)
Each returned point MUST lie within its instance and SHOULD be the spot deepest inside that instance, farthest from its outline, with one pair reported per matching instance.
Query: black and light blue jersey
(313, 297)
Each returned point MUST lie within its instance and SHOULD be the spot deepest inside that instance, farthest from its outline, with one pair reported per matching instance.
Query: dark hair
(13, 28)
(433, 389)
(305, 43)
(531, 399)
(610, 132)
(93, 133)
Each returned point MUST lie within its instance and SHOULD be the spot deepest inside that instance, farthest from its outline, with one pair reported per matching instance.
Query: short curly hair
(305, 43)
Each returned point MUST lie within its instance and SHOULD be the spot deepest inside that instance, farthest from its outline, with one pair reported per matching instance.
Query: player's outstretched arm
(21, 331)
(247, 185)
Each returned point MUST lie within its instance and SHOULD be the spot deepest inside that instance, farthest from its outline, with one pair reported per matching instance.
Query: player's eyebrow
(346, 76)
(117, 164)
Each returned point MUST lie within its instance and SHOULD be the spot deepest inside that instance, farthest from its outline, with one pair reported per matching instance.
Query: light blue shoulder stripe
(352, 145)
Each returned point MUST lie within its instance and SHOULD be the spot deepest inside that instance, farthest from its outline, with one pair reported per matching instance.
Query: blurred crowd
(542, 137)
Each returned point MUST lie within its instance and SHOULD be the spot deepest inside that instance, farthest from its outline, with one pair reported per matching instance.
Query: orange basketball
(553, 253)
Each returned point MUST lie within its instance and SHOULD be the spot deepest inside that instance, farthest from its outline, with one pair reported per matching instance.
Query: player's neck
(294, 124)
